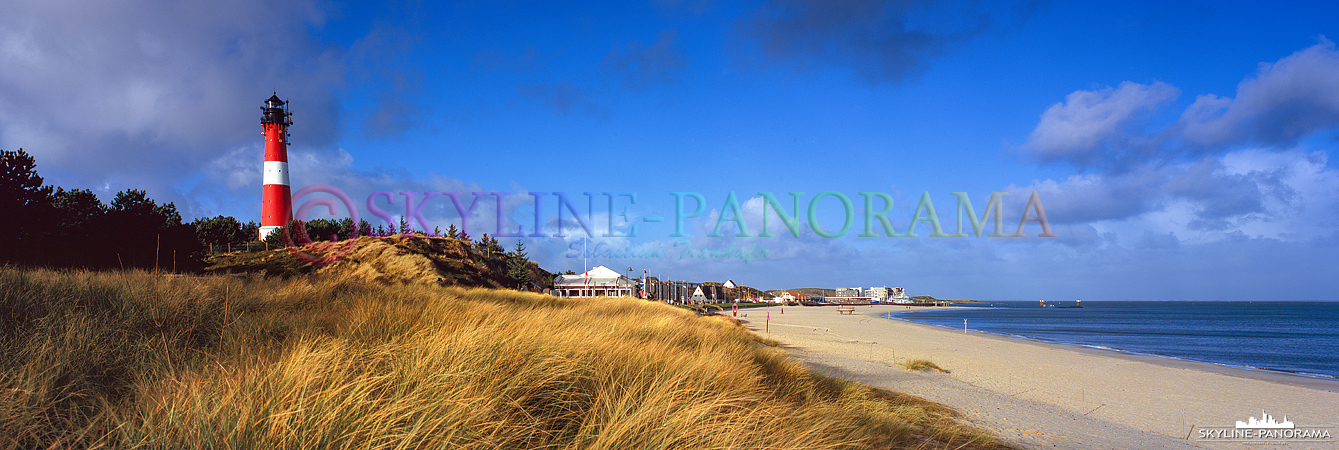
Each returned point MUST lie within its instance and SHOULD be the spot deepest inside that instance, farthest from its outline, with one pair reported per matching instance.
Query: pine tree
(347, 229)
(452, 232)
(494, 248)
(404, 226)
(518, 267)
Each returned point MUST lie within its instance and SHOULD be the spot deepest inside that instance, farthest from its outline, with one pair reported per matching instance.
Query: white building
(597, 282)
(899, 296)
(850, 292)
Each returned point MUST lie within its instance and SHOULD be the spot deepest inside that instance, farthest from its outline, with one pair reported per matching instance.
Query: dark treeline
(51, 226)
(54, 226)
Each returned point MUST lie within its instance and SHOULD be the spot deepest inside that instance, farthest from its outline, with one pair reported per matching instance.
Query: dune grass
(137, 360)
(922, 365)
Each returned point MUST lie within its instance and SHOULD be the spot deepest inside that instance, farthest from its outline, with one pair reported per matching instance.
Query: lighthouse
(276, 206)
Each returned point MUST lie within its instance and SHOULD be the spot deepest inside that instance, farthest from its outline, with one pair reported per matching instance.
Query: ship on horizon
(1077, 304)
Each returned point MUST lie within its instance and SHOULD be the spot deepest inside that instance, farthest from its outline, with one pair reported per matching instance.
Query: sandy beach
(1041, 395)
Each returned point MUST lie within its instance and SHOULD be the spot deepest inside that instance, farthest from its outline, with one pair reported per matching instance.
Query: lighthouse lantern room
(276, 208)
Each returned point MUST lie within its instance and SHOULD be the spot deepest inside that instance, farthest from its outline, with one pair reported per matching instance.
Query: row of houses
(605, 282)
(873, 295)
(877, 294)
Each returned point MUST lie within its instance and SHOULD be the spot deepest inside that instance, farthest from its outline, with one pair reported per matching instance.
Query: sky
(1180, 150)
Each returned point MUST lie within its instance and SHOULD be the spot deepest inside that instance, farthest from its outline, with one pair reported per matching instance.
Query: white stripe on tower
(276, 172)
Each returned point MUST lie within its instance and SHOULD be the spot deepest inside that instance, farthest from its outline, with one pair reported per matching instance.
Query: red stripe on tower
(276, 206)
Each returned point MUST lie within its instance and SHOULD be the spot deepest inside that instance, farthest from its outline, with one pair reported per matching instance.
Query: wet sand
(1041, 395)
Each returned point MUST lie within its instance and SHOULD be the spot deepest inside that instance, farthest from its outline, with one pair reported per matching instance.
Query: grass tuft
(922, 365)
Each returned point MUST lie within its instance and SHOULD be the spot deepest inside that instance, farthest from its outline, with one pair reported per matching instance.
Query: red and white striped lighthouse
(276, 207)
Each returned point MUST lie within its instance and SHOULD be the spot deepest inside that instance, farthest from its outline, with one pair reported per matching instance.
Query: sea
(1300, 338)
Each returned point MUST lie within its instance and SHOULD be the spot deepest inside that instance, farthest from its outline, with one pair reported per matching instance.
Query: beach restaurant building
(598, 282)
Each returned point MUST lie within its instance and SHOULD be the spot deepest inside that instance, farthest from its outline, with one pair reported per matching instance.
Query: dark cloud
(639, 67)
(140, 94)
(880, 41)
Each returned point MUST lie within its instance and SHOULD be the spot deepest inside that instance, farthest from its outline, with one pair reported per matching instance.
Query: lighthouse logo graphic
(276, 207)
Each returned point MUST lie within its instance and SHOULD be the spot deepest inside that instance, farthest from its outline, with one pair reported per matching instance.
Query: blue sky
(1182, 150)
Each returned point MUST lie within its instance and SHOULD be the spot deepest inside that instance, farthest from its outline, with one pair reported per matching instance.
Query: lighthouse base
(265, 231)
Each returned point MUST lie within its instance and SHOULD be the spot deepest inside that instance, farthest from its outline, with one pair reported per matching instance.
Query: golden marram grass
(137, 360)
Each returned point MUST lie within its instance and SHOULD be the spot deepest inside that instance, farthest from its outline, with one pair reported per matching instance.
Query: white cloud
(1115, 129)
(1281, 103)
(1286, 195)
(1091, 125)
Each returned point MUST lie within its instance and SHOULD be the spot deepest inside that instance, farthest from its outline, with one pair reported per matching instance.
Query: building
(849, 292)
(670, 291)
(598, 282)
(879, 293)
(899, 295)
(786, 297)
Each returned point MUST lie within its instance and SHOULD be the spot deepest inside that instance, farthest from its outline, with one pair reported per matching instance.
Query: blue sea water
(1294, 337)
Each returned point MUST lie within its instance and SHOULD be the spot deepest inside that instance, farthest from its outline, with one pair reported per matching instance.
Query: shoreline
(1321, 381)
(1034, 393)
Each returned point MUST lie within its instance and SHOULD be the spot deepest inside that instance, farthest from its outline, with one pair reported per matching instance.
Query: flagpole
(585, 275)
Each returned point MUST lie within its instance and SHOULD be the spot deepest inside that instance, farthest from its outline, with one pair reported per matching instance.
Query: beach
(1042, 395)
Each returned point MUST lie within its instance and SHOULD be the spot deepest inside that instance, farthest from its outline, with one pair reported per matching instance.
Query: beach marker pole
(964, 326)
